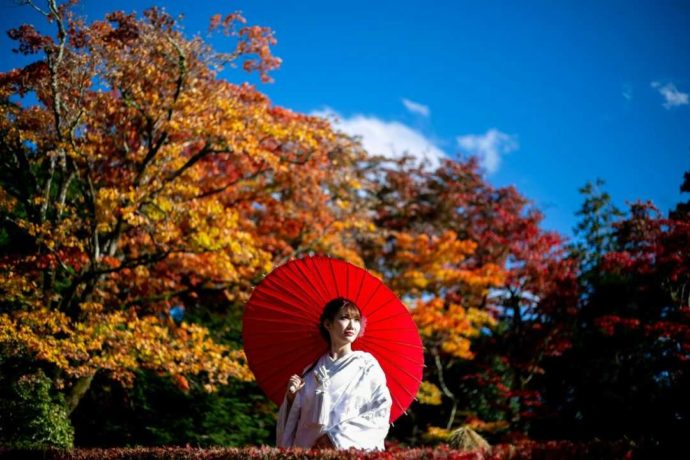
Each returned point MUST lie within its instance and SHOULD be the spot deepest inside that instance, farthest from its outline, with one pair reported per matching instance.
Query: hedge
(562, 450)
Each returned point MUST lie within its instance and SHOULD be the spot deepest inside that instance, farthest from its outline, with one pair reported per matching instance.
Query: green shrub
(155, 412)
(32, 414)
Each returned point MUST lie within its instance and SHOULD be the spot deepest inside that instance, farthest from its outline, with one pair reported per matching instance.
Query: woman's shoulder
(372, 368)
(363, 355)
(367, 358)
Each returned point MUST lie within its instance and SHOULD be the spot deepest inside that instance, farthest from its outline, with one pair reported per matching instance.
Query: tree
(625, 373)
(595, 228)
(482, 280)
(124, 190)
(682, 209)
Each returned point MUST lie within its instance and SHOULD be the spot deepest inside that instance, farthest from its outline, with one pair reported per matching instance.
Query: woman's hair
(331, 310)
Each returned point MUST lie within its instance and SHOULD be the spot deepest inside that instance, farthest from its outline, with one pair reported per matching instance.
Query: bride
(341, 401)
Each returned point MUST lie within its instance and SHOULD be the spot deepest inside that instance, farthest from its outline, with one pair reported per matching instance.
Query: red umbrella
(281, 326)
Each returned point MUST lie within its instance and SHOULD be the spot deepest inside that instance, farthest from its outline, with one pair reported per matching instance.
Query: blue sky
(549, 94)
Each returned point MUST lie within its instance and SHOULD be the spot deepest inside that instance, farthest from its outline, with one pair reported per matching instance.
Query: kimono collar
(326, 367)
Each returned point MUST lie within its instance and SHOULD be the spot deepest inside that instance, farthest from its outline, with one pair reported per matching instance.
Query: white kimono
(347, 399)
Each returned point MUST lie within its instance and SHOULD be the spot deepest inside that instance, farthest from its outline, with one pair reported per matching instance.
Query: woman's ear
(327, 325)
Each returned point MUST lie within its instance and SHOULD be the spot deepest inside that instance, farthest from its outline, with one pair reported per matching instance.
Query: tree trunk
(79, 389)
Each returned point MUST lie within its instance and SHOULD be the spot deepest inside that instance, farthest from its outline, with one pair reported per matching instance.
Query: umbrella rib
(314, 295)
(406, 391)
(270, 293)
(274, 299)
(283, 283)
(361, 283)
(386, 337)
(329, 268)
(377, 327)
(277, 331)
(323, 289)
(382, 351)
(284, 368)
(265, 360)
(405, 371)
(277, 290)
(288, 269)
(417, 380)
(371, 296)
(287, 351)
(400, 406)
(311, 281)
(347, 278)
(277, 320)
(264, 346)
(265, 309)
(327, 262)
(261, 306)
(403, 311)
(392, 356)
(393, 298)
(397, 342)
(335, 280)
(403, 327)
(322, 281)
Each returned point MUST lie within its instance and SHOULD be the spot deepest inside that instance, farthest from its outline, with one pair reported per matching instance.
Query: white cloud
(488, 147)
(391, 139)
(416, 107)
(628, 92)
(672, 96)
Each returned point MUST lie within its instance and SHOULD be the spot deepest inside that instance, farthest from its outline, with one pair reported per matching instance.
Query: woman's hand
(294, 385)
(324, 442)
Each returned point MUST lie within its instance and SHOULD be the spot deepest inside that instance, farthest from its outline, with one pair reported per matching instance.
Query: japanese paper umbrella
(281, 326)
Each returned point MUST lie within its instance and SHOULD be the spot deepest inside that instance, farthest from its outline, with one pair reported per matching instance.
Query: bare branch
(444, 387)
(182, 67)
(146, 259)
(54, 64)
(154, 148)
(222, 188)
(46, 189)
(35, 7)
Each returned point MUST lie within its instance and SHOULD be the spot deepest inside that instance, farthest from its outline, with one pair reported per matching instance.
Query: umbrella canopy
(281, 326)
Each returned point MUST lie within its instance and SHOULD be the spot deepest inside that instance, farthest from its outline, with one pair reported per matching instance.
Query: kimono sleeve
(369, 427)
(288, 419)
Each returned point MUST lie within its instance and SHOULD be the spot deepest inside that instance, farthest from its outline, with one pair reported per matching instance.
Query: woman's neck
(338, 351)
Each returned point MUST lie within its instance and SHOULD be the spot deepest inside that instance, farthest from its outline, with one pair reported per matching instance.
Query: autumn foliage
(128, 189)
(141, 204)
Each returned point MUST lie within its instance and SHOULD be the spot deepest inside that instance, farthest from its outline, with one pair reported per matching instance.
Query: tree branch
(54, 64)
(222, 188)
(444, 387)
(78, 391)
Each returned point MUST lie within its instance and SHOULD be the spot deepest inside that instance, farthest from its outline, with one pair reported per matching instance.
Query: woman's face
(344, 328)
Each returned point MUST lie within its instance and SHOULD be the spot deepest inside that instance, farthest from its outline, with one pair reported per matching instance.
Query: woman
(342, 400)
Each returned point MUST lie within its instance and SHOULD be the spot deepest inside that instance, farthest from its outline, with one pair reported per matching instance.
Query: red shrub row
(561, 450)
